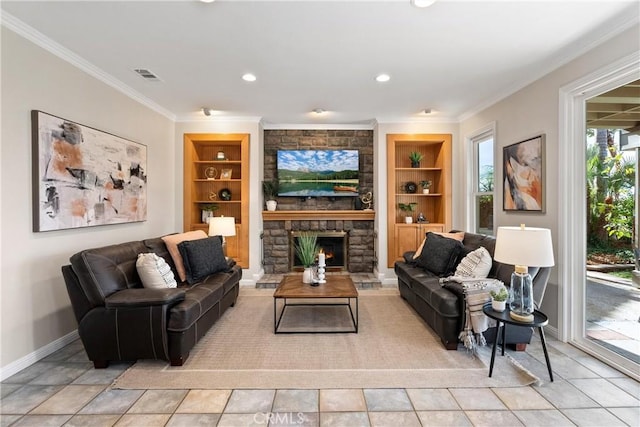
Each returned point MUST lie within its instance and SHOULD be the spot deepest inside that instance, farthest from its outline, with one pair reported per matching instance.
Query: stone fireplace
(334, 244)
(319, 214)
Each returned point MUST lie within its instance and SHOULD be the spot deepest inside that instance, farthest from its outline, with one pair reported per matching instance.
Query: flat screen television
(318, 173)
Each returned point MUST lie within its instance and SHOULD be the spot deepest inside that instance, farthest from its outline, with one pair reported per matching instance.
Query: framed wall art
(523, 172)
(84, 177)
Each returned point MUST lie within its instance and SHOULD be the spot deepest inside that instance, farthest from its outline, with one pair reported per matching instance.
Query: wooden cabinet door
(406, 238)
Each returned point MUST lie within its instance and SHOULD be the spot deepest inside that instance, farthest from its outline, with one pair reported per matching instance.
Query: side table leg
(493, 351)
(504, 337)
(546, 355)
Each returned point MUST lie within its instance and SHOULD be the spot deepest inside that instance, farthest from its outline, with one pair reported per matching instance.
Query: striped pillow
(154, 272)
(477, 264)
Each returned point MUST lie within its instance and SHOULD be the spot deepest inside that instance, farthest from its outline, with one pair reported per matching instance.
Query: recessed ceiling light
(249, 77)
(318, 110)
(383, 78)
(422, 3)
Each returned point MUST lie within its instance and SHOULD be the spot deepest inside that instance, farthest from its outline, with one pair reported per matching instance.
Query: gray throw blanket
(476, 295)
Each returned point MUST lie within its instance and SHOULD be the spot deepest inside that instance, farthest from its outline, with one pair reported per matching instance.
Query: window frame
(473, 141)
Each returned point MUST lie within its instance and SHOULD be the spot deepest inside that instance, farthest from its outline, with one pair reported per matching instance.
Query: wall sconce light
(207, 111)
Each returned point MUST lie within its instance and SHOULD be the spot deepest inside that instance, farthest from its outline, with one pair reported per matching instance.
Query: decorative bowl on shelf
(225, 194)
(410, 187)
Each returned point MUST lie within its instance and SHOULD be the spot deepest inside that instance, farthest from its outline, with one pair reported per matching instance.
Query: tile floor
(64, 390)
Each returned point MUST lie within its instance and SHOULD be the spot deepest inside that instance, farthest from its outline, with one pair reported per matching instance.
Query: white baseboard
(39, 354)
(248, 283)
(390, 283)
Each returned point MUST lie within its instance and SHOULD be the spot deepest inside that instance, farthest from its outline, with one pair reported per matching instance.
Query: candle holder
(321, 274)
(321, 268)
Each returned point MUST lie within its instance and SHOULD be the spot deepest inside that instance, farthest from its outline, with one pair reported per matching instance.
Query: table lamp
(222, 226)
(523, 247)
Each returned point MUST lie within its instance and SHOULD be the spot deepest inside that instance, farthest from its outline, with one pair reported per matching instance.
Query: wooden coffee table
(338, 287)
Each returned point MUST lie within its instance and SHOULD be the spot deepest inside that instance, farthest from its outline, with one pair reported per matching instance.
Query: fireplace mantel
(336, 215)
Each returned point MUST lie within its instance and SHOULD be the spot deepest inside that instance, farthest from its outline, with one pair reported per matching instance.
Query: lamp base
(527, 318)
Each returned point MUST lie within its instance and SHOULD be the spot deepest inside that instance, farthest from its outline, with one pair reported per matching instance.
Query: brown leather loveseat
(119, 319)
(442, 306)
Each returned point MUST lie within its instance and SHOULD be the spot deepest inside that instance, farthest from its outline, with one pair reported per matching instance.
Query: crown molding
(605, 32)
(17, 26)
(319, 126)
(218, 119)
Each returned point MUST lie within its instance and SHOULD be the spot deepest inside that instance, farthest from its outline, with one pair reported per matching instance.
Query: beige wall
(534, 110)
(34, 305)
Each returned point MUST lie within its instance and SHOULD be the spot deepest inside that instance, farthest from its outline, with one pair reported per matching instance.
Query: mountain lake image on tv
(318, 173)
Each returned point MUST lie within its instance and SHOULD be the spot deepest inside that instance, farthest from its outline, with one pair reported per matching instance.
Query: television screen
(315, 173)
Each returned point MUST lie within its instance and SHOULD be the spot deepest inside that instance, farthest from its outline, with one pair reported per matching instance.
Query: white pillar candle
(321, 259)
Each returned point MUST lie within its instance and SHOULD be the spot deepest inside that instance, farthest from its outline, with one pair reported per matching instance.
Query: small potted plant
(415, 158)
(499, 299)
(270, 191)
(207, 211)
(306, 247)
(426, 184)
(408, 207)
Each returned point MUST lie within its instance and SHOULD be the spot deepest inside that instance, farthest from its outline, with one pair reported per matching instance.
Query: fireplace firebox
(334, 244)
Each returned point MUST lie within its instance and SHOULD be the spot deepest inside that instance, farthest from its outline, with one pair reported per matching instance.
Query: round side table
(503, 318)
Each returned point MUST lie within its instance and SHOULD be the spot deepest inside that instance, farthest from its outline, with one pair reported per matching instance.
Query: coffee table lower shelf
(277, 319)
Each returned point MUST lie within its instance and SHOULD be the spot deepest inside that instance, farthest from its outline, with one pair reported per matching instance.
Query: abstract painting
(83, 177)
(523, 164)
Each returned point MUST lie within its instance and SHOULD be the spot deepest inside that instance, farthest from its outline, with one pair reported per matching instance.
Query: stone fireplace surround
(322, 213)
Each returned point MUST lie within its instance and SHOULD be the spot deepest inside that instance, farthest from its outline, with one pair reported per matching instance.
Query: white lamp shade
(222, 226)
(528, 246)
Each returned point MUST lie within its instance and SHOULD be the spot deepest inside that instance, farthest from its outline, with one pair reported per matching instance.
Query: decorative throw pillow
(477, 264)
(154, 271)
(202, 257)
(459, 235)
(172, 241)
(439, 254)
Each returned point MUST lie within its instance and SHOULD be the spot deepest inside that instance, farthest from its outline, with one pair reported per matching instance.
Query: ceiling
(454, 57)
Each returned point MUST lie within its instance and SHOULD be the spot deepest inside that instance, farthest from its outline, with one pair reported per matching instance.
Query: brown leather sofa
(442, 306)
(118, 319)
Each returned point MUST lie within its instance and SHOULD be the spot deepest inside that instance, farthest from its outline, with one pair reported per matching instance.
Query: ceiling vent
(147, 74)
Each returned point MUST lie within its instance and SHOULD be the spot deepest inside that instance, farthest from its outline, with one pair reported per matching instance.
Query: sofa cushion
(476, 264)
(172, 241)
(457, 235)
(202, 258)
(439, 254)
(154, 272)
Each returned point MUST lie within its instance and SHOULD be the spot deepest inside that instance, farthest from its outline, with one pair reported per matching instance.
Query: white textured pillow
(477, 264)
(154, 272)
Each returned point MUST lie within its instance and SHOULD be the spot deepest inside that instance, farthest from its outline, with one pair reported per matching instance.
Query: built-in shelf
(334, 215)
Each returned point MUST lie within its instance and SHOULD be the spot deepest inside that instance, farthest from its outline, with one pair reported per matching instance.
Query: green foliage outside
(610, 198)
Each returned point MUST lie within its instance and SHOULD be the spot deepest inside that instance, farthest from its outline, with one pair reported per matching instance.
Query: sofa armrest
(141, 297)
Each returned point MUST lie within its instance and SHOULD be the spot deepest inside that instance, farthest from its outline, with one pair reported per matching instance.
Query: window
(482, 182)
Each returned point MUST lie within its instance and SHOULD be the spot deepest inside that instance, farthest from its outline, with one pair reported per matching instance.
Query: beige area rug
(393, 349)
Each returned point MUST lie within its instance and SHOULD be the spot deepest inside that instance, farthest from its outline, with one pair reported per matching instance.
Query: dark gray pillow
(439, 254)
(202, 257)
